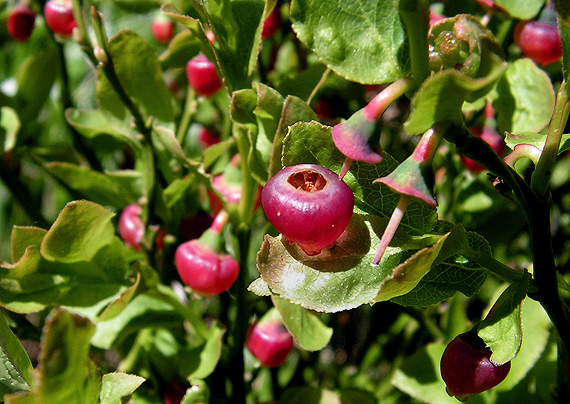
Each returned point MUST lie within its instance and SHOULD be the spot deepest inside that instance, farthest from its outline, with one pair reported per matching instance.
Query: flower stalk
(413, 178)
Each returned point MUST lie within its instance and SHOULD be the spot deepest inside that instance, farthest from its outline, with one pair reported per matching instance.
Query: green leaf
(259, 287)
(536, 332)
(22, 238)
(138, 6)
(314, 395)
(194, 25)
(15, 364)
(526, 10)
(67, 375)
(306, 327)
(339, 278)
(456, 274)
(139, 72)
(118, 305)
(268, 113)
(178, 190)
(259, 110)
(535, 139)
(242, 105)
(300, 84)
(409, 273)
(523, 98)
(9, 127)
(198, 393)
(117, 385)
(236, 25)
(35, 79)
(112, 189)
(441, 96)
(356, 396)
(94, 122)
(79, 232)
(199, 362)
(420, 377)
(183, 47)
(501, 330)
(294, 110)
(312, 143)
(361, 41)
(145, 310)
(167, 138)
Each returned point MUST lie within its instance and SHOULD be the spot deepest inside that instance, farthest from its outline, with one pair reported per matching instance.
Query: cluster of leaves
(106, 119)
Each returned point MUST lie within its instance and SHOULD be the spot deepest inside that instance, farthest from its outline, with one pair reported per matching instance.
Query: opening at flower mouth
(309, 181)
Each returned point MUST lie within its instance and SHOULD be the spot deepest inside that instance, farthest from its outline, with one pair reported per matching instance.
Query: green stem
(415, 15)
(319, 85)
(82, 36)
(109, 70)
(241, 321)
(545, 274)
(541, 176)
(248, 184)
(190, 106)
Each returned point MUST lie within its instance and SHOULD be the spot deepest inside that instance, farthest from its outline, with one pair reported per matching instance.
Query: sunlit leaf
(117, 385)
(526, 10)
(79, 232)
(441, 97)
(523, 98)
(361, 41)
(502, 330)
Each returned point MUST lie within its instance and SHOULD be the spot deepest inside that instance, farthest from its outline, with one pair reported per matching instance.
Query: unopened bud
(100, 55)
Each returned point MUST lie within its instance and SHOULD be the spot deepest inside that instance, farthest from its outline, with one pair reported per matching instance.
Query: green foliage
(105, 119)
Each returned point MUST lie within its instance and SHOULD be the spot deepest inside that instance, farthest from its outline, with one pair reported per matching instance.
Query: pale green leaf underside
(342, 277)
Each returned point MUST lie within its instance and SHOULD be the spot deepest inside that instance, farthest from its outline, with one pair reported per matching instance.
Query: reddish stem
(345, 167)
(378, 105)
(390, 230)
(219, 222)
